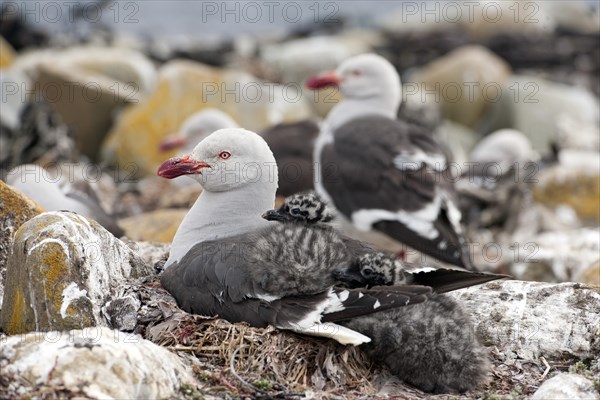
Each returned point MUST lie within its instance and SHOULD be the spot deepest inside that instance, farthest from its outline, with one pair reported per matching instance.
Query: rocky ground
(82, 313)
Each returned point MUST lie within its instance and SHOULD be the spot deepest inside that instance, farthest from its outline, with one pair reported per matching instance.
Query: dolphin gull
(382, 173)
(228, 261)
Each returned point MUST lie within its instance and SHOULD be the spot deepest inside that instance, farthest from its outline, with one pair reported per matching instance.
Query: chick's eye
(224, 155)
(367, 272)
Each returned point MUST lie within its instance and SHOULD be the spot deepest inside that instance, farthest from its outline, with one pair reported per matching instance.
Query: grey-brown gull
(382, 173)
(226, 260)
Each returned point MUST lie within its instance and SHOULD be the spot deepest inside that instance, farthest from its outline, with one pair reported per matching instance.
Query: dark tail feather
(455, 252)
(446, 280)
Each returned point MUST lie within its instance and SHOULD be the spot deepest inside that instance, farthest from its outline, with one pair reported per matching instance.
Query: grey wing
(360, 173)
(359, 170)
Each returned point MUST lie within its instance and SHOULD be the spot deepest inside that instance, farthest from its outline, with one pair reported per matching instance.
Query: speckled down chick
(373, 268)
(431, 345)
(305, 208)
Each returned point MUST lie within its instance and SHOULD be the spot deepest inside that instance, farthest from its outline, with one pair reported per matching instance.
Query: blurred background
(100, 84)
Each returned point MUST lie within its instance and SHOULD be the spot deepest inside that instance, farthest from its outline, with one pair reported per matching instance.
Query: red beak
(177, 166)
(173, 141)
(323, 80)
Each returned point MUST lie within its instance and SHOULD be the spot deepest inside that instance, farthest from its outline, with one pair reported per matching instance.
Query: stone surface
(13, 83)
(466, 82)
(296, 60)
(574, 182)
(575, 15)
(93, 362)
(548, 112)
(105, 65)
(459, 139)
(15, 210)
(7, 53)
(60, 273)
(154, 226)
(490, 18)
(567, 252)
(566, 386)
(590, 275)
(87, 86)
(528, 320)
(154, 254)
(185, 88)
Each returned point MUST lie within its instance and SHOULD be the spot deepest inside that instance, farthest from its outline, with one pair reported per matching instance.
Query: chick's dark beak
(276, 215)
(350, 276)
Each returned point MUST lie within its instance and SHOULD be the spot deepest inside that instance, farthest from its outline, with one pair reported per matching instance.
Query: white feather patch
(311, 324)
(420, 221)
(411, 161)
(337, 332)
(266, 297)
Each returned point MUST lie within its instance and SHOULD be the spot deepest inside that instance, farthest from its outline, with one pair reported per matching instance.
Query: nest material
(246, 360)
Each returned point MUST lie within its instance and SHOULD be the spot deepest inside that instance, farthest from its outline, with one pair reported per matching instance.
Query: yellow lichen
(156, 226)
(581, 192)
(7, 53)
(185, 88)
(140, 128)
(17, 204)
(53, 266)
(16, 323)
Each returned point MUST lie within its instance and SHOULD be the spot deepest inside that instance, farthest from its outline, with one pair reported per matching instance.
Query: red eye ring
(224, 155)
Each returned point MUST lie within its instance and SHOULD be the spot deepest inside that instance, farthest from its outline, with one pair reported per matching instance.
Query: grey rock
(566, 386)
(153, 254)
(15, 210)
(544, 111)
(528, 320)
(62, 269)
(93, 362)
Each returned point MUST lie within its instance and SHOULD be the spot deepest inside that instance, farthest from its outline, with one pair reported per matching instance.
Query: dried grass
(265, 361)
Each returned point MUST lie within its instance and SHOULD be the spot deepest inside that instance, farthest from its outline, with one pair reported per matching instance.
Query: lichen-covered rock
(566, 386)
(62, 270)
(7, 53)
(15, 210)
(590, 275)
(528, 320)
(93, 362)
(154, 254)
(575, 182)
(155, 226)
(467, 81)
(185, 88)
(93, 84)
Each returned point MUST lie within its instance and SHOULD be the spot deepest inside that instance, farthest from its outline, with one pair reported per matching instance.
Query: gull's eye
(296, 212)
(356, 72)
(224, 155)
